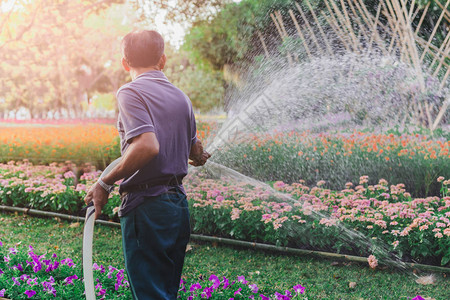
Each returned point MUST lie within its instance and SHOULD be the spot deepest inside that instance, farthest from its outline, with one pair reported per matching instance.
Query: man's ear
(162, 61)
(125, 65)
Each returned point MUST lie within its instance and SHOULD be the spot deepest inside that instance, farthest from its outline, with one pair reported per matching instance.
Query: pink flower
(373, 262)
(235, 213)
(279, 184)
(440, 179)
(69, 174)
(320, 183)
(383, 182)
(423, 227)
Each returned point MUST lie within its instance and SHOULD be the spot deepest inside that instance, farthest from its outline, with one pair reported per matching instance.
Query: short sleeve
(193, 129)
(135, 115)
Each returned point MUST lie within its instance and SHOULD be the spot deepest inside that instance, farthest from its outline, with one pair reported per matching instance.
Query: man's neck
(135, 72)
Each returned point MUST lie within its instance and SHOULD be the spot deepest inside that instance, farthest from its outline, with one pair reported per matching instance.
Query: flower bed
(318, 218)
(415, 160)
(314, 218)
(25, 275)
(94, 143)
(50, 188)
(80, 143)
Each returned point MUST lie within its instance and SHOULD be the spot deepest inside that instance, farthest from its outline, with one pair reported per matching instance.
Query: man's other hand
(100, 197)
(198, 155)
(200, 160)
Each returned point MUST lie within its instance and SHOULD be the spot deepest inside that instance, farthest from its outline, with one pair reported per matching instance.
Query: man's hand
(198, 155)
(200, 160)
(100, 197)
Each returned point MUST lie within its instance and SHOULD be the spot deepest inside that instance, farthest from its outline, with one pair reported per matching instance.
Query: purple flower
(2, 293)
(32, 282)
(242, 280)
(195, 286)
(30, 293)
(226, 283)
(182, 286)
(1, 272)
(117, 286)
(48, 286)
(69, 280)
(111, 270)
(299, 289)
(253, 288)
(18, 267)
(282, 297)
(120, 276)
(68, 262)
(238, 292)
(264, 297)
(12, 251)
(16, 282)
(36, 263)
(55, 265)
(207, 292)
(418, 297)
(215, 280)
(24, 277)
(101, 292)
(6, 258)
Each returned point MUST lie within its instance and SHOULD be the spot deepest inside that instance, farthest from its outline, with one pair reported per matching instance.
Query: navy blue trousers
(154, 239)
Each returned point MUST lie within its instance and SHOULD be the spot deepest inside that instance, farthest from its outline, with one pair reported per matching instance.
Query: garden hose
(88, 235)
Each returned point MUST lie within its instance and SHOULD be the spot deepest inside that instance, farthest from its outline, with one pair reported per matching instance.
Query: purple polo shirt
(150, 103)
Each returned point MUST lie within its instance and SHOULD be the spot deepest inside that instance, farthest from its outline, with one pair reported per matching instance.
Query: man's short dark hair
(143, 48)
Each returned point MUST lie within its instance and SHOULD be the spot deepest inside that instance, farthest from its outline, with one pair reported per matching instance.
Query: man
(157, 130)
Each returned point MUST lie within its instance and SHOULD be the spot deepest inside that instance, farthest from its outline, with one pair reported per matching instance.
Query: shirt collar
(152, 74)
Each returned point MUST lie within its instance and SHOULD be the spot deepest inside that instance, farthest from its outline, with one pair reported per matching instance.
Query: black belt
(173, 182)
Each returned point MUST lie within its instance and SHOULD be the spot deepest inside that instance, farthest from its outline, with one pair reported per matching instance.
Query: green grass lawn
(323, 279)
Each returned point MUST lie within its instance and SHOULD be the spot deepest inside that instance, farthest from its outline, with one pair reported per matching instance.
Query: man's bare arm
(198, 155)
(141, 150)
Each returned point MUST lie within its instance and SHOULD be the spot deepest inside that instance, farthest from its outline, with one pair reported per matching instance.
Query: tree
(181, 11)
(202, 84)
(72, 50)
